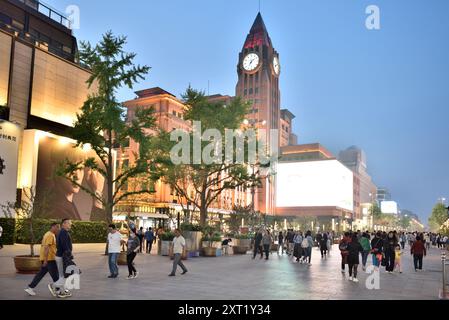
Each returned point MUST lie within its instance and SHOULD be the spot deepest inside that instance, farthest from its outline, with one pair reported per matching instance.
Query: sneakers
(136, 274)
(171, 275)
(53, 291)
(343, 271)
(65, 294)
(30, 291)
(184, 272)
(351, 278)
(355, 280)
(130, 277)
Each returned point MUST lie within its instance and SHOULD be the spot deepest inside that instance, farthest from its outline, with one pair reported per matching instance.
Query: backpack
(305, 243)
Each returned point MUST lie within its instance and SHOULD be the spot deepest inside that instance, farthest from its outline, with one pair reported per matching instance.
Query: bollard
(444, 294)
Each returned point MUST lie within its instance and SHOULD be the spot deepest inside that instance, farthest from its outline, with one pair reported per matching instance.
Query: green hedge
(9, 230)
(82, 231)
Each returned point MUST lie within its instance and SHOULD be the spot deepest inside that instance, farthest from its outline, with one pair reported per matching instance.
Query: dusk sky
(385, 90)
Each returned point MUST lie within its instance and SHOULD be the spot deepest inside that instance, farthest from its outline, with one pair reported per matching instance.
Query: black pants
(50, 268)
(417, 261)
(389, 260)
(344, 261)
(258, 248)
(266, 248)
(1, 243)
(149, 246)
(141, 242)
(402, 245)
(323, 251)
(353, 269)
(129, 259)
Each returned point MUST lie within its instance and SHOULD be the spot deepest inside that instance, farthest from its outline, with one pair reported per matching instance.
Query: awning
(145, 215)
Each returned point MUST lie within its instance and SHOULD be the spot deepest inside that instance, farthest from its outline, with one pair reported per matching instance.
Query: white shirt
(114, 245)
(178, 244)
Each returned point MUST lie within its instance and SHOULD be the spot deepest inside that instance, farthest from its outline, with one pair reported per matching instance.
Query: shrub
(190, 227)
(245, 236)
(81, 232)
(9, 230)
(215, 237)
(167, 236)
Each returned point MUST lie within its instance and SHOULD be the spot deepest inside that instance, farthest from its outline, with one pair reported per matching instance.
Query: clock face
(276, 65)
(251, 62)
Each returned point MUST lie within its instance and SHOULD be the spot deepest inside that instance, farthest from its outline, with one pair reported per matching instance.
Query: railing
(48, 11)
(444, 292)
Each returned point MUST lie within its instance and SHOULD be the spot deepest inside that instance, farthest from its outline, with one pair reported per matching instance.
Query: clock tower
(258, 82)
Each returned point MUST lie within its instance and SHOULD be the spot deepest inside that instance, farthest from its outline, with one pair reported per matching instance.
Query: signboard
(9, 152)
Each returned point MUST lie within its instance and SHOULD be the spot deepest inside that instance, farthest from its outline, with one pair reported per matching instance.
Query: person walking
(403, 239)
(47, 257)
(389, 251)
(377, 249)
(258, 244)
(354, 249)
(307, 245)
(63, 253)
(1, 234)
(178, 247)
(140, 234)
(418, 251)
(114, 248)
(323, 244)
(290, 242)
(133, 246)
(267, 240)
(366, 245)
(297, 250)
(398, 258)
(149, 238)
(343, 246)
(281, 242)
(427, 241)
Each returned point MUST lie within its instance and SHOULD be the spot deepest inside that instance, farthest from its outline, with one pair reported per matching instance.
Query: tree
(102, 125)
(404, 221)
(202, 183)
(26, 211)
(438, 217)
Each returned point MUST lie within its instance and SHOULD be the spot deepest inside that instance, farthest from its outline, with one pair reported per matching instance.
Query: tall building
(258, 72)
(383, 194)
(286, 135)
(42, 88)
(364, 189)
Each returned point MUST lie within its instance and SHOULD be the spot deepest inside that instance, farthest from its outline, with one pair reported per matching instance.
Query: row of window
(178, 114)
(251, 91)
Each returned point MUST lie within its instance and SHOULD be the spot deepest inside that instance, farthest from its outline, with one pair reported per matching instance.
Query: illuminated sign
(326, 183)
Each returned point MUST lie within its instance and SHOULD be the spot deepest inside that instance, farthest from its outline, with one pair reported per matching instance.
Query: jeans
(50, 268)
(376, 261)
(403, 244)
(113, 268)
(129, 260)
(177, 261)
(266, 249)
(364, 258)
(149, 245)
(417, 261)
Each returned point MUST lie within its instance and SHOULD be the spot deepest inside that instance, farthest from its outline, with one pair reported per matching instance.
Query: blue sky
(385, 91)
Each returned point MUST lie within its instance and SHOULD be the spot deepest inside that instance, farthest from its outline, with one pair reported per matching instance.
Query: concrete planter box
(214, 244)
(209, 252)
(239, 249)
(165, 248)
(193, 240)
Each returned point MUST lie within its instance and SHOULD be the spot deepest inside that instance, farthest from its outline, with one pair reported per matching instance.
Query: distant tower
(258, 82)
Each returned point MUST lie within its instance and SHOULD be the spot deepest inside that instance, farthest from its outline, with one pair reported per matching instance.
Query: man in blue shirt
(149, 237)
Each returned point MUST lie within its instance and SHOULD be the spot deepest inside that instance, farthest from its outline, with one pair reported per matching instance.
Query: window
(245, 92)
(125, 164)
(18, 25)
(256, 91)
(257, 77)
(174, 112)
(256, 101)
(250, 90)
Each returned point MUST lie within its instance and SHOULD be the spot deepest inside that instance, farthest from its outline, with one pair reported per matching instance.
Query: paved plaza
(230, 278)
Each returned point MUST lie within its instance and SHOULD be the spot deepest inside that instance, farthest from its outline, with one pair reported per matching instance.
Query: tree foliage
(438, 217)
(102, 125)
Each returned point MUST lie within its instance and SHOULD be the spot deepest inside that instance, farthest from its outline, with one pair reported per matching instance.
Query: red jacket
(418, 248)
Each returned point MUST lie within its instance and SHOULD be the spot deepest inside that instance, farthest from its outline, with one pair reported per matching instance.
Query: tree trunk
(110, 179)
(203, 215)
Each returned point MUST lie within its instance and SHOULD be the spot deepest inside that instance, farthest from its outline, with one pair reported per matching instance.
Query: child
(397, 258)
